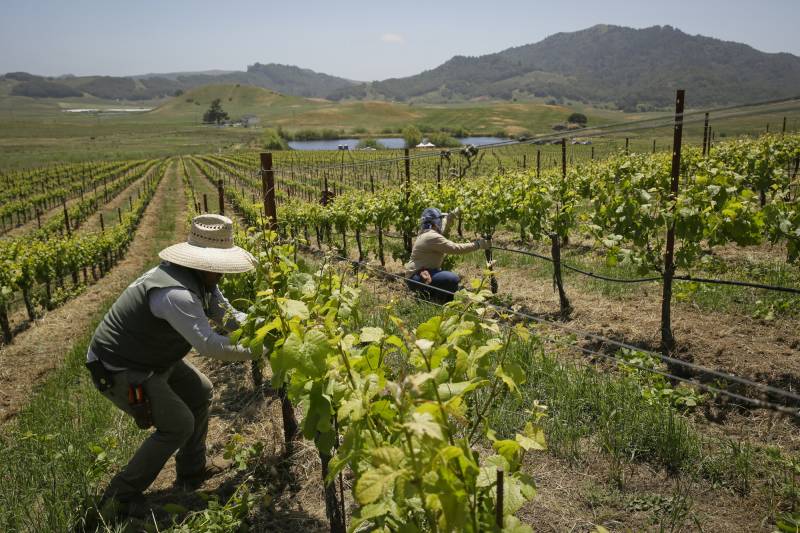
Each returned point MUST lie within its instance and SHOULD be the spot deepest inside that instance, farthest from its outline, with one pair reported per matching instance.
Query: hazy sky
(354, 39)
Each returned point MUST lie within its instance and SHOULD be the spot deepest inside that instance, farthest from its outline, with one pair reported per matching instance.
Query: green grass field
(37, 132)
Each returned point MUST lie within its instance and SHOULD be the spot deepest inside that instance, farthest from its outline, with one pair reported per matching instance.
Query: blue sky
(354, 39)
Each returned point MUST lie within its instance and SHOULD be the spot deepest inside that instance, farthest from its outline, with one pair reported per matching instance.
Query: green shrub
(458, 131)
(577, 118)
(369, 143)
(272, 140)
(443, 140)
(412, 136)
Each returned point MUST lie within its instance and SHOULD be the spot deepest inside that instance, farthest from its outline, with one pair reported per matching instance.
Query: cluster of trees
(443, 140)
(309, 134)
(577, 118)
(272, 140)
(369, 143)
(413, 136)
(107, 87)
(288, 79)
(41, 88)
(215, 114)
(112, 88)
(278, 138)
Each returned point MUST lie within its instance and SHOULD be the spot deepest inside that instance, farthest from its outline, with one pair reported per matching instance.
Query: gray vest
(130, 336)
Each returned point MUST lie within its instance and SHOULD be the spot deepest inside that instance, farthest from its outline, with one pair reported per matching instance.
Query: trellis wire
(767, 389)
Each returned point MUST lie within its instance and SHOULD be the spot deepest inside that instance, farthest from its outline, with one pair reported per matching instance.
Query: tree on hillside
(578, 118)
(412, 136)
(215, 113)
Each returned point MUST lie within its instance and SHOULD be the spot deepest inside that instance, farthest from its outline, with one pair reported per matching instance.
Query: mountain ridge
(604, 65)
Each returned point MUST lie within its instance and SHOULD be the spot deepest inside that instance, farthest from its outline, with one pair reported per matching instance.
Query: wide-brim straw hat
(210, 247)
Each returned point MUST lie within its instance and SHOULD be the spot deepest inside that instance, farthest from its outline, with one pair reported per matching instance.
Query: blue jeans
(440, 279)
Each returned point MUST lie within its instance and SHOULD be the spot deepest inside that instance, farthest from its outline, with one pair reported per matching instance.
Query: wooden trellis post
(667, 339)
(66, 216)
(221, 195)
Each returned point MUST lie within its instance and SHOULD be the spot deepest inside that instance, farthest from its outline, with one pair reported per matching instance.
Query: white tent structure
(426, 145)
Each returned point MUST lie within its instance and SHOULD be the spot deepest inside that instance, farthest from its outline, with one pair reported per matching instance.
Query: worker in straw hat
(136, 355)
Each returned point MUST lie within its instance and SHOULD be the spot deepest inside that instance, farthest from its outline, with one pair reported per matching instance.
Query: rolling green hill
(374, 117)
(37, 130)
(282, 78)
(237, 100)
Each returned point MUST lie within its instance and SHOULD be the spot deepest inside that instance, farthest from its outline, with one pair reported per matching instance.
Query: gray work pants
(179, 399)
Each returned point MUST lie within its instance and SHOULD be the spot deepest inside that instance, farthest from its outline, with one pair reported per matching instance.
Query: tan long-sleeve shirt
(429, 249)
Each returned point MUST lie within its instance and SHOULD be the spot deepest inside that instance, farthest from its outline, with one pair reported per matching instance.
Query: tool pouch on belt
(101, 376)
(138, 400)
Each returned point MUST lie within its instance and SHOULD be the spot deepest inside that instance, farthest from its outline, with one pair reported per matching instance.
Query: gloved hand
(484, 244)
(455, 212)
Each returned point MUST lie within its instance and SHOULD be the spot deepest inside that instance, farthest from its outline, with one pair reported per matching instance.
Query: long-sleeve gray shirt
(184, 312)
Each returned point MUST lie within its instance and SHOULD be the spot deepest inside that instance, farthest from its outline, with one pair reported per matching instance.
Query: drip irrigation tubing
(753, 401)
(767, 389)
(686, 277)
(578, 270)
(708, 388)
(699, 369)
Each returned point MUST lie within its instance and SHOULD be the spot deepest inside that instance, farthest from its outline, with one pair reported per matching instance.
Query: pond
(388, 142)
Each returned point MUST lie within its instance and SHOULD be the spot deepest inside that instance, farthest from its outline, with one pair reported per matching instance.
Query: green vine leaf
(423, 424)
(370, 334)
(375, 483)
(294, 309)
(512, 375)
(532, 438)
(387, 455)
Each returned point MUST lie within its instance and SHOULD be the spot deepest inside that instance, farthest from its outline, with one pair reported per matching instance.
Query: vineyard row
(28, 264)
